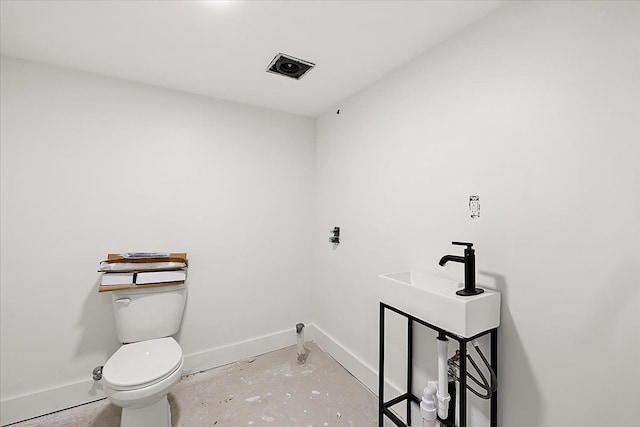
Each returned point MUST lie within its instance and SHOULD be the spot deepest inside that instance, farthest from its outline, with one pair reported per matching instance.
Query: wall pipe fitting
(97, 373)
(301, 349)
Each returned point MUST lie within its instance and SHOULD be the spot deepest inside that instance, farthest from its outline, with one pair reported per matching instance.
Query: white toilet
(139, 374)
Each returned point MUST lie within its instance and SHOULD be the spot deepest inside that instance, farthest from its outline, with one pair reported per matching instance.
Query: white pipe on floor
(443, 379)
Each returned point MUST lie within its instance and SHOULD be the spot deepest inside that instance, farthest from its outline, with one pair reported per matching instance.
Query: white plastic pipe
(428, 405)
(443, 380)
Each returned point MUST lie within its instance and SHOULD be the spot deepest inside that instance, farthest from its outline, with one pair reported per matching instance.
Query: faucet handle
(468, 245)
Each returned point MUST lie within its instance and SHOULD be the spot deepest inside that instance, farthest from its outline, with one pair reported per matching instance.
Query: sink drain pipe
(439, 390)
(443, 378)
(428, 405)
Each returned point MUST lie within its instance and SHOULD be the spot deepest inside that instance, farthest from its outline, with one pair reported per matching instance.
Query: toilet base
(157, 414)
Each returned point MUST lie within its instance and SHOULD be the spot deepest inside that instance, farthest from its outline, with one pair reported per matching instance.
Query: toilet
(138, 376)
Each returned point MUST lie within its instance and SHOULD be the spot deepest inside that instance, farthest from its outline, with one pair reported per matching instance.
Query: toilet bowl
(138, 377)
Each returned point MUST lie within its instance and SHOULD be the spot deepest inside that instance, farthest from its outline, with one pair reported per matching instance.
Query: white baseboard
(47, 401)
(365, 373)
(69, 395)
(240, 350)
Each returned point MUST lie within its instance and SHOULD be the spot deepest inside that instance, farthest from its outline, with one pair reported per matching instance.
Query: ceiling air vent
(289, 66)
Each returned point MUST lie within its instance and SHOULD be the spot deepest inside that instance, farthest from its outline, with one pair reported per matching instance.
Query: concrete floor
(271, 390)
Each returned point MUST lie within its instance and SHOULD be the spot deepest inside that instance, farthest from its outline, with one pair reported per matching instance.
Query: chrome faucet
(469, 261)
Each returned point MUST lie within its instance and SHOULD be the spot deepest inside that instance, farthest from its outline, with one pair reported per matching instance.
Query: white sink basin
(434, 300)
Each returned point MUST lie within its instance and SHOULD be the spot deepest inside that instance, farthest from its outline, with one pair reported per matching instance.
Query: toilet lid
(142, 363)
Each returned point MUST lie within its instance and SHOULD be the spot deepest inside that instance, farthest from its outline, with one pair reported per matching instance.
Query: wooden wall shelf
(102, 288)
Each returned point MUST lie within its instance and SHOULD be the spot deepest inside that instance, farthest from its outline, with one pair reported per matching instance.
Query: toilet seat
(142, 364)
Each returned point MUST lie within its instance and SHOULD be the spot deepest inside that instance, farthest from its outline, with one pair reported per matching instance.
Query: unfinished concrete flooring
(271, 390)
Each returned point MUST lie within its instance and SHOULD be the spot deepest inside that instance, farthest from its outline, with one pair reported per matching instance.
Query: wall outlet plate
(474, 206)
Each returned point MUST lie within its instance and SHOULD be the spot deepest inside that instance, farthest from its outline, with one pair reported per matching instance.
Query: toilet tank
(149, 312)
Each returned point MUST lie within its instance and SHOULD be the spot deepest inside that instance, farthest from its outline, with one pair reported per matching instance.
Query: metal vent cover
(288, 66)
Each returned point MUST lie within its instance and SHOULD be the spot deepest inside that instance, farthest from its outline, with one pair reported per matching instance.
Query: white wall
(536, 109)
(92, 165)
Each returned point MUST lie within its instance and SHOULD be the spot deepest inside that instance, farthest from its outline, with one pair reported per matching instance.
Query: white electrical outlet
(474, 206)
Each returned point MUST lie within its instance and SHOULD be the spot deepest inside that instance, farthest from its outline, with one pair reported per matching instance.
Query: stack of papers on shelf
(115, 279)
(143, 268)
(147, 277)
(145, 255)
(110, 267)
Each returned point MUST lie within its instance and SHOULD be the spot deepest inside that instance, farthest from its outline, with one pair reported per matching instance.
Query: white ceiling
(222, 48)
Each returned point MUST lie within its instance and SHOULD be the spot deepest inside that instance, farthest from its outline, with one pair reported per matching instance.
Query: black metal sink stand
(384, 407)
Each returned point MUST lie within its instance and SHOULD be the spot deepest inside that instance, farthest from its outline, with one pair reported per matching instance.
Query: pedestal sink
(434, 300)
